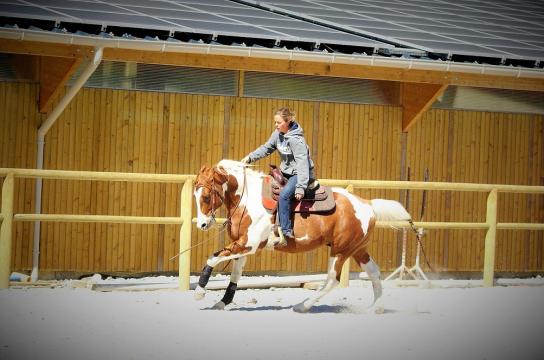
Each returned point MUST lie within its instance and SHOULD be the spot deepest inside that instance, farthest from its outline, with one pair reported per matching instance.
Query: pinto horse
(346, 229)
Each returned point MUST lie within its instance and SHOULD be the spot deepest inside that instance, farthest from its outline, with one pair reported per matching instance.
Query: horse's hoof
(377, 307)
(219, 306)
(300, 308)
(199, 293)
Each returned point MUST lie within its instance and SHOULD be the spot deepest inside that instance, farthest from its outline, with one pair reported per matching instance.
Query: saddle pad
(311, 206)
(323, 201)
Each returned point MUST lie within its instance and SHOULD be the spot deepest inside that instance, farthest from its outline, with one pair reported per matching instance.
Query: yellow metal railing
(185, 219)
(7, 217)
(490, 225)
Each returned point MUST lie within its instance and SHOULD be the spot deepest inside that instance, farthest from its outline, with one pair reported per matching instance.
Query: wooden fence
(110, 130)
(7, 215)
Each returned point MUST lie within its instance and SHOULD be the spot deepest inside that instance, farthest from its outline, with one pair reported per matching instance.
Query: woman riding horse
(346, 229)
(296, 166)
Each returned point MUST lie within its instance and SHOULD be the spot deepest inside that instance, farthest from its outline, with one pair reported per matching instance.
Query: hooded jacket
(294, 153)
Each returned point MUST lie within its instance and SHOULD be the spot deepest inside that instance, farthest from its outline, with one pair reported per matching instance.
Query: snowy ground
(504, 322)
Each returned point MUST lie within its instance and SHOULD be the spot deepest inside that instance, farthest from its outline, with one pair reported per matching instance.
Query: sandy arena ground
(436, 322)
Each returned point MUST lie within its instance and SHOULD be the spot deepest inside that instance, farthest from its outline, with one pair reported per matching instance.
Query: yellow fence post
(185, 233)
(344, 277)
(490, 239)
(6, 230)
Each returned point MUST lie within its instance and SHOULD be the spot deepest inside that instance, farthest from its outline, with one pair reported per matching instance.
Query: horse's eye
(206, 199)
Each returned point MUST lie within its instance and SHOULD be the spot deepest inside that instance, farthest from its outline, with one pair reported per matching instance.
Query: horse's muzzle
(205, 223)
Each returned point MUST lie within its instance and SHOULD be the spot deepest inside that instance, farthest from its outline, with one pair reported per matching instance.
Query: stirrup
(282, 241)
(276, 238)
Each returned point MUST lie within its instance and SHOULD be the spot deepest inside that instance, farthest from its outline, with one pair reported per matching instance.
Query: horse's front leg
(257, 233)
(231, 252)
(237, 267)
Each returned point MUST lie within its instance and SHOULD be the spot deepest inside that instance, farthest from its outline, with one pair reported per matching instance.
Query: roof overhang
(177, 53)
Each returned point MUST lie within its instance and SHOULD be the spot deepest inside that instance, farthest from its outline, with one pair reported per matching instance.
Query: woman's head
(283, 119)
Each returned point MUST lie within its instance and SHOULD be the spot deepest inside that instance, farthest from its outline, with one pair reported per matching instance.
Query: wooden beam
(45, 49)
(416, 99)
(325, 69)
(54, 73)
(277, 65)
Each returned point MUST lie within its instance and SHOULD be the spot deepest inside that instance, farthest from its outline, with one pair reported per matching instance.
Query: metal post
(185, 233)
(6, 230)
(42, 131)
(490, 238)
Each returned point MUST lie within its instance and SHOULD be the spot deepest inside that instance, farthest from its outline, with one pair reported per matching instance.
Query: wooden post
(490, 239)
(185, 233)
(344, 277)
(6, 230)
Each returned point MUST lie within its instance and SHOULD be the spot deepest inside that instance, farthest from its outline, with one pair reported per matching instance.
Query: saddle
(317, 198)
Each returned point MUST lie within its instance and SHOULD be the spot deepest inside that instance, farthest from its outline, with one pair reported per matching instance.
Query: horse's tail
(389, 210)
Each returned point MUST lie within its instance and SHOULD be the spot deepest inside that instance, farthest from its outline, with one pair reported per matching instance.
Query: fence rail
(7, 216)
(185, 219)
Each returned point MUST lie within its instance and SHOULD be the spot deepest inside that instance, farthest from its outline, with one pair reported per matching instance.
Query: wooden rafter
(54, 73)
(416, 99)
(278, 65)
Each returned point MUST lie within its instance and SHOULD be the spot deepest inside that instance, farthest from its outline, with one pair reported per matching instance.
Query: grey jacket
(294, 153)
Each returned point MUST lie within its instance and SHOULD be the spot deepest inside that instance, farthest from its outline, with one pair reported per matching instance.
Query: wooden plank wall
(19, 120)
(131, 131)
(479, 147)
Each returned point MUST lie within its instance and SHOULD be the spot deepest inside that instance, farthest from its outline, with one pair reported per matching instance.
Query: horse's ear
(220, 174)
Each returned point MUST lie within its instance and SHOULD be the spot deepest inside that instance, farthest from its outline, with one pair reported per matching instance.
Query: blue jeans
(284, 205)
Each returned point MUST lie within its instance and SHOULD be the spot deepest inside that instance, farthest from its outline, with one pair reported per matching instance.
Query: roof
(501, 32)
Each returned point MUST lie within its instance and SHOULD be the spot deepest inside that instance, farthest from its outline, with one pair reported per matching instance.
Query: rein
(227, 221)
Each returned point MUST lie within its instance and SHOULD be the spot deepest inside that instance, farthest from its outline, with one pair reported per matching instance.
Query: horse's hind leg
(373, 271)
(333, 278)
(237, 267)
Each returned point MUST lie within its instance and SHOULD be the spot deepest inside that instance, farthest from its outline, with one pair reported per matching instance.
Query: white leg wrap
(372, 270)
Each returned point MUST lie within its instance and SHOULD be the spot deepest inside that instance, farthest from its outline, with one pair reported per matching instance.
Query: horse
(346, 228)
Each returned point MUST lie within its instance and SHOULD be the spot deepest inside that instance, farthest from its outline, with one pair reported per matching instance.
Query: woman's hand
(246, 160)
(298, 196)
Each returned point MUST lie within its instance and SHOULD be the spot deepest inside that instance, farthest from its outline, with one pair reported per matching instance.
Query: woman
(296, 164)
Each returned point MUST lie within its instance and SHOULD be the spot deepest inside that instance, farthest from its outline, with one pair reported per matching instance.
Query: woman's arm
(266, 149)
(300, 153)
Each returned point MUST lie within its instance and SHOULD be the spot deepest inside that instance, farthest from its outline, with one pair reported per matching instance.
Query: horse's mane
(236, 167)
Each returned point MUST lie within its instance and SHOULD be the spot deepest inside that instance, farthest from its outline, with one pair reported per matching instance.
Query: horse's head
(210, 194)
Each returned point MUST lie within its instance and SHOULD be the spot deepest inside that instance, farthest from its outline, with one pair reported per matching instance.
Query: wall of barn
(155, 132)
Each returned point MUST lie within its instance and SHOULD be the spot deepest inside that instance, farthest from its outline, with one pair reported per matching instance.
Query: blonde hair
(286, 114)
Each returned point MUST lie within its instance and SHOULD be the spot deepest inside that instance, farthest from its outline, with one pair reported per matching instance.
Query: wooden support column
(6, 228)
(490, 239)
(416, 98)
(185, 235)
(54, 73)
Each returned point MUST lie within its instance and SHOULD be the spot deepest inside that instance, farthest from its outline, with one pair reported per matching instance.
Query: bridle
(214, 192)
